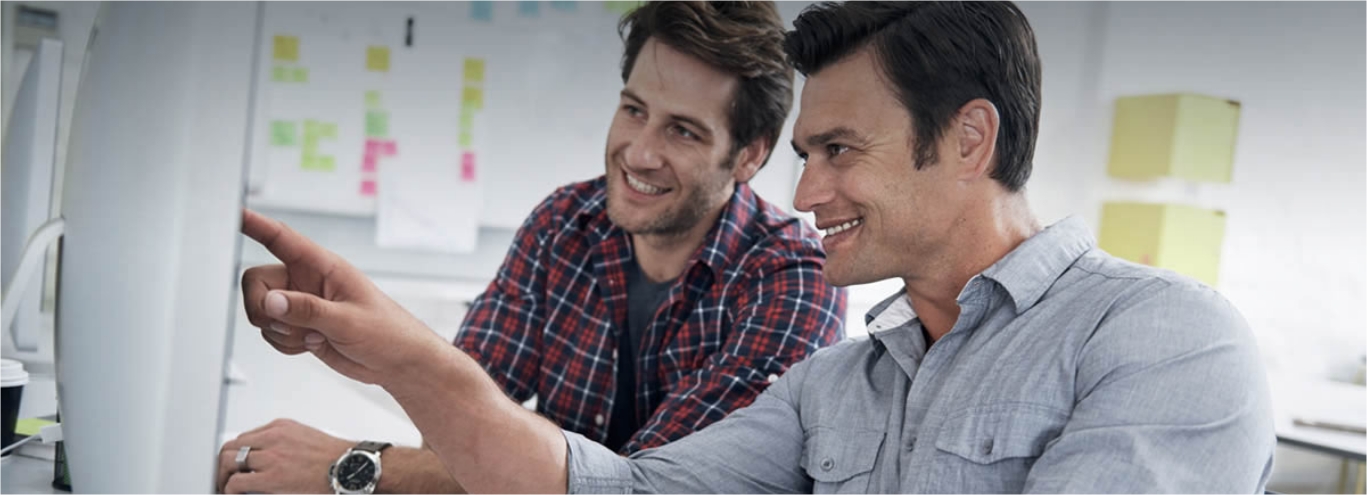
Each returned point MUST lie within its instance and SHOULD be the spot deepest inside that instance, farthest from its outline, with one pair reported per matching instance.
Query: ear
(975, 129)
(749, 160)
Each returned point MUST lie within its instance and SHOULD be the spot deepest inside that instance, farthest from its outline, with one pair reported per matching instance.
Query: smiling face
(881, 216)
(669, 161)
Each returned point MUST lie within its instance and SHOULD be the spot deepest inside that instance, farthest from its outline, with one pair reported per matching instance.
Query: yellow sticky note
(1184, 135)
(473, 98)
(372, 99)
(30, 426)
(465, 139)
(286, 48)
(474, 70)
(328, 130)
(325, 162)
(377, 59)
(1181, 238)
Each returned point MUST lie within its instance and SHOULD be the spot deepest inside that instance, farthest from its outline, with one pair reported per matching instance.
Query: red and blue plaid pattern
(751, 302)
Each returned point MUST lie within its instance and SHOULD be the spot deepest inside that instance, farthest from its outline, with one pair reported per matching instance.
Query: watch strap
(373, 447)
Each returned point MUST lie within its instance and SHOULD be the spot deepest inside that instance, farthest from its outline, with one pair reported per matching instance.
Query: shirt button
(614, 354)
(827, 464)
(911, 444)
(598, 420)
(987, 446)
(773, 378)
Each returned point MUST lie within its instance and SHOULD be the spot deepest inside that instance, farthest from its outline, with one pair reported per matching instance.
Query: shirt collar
(1030, 269)
(889, 315)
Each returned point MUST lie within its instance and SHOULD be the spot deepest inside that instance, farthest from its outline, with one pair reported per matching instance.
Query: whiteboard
(550, 83)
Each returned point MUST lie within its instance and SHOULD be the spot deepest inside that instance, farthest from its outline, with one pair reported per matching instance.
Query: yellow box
(1187, 136)
(1181, 238)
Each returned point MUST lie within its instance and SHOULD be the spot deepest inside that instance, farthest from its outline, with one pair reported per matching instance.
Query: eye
(633, 110)
(685, 133)
(835, 150)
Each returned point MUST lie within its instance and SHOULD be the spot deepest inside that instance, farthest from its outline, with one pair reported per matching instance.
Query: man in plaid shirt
(650, 302)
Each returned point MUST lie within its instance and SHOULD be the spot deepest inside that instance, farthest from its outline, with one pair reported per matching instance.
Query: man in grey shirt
(1016, 359)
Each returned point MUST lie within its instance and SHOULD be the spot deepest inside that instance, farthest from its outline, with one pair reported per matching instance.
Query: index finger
(287, 245)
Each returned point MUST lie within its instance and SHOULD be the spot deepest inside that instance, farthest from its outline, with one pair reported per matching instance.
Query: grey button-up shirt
(1068, 370)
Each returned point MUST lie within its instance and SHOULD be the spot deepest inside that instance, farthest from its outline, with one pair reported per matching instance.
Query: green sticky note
(372, 99)
(472, 98)
(327, 130)
(300, 74)
(309, 160)
(474, 70)
(467, 119)
(325, 163)
(621, 7)
(312, 128)
(465, 138)
(283, 133)
(280, 74)
(377, 124)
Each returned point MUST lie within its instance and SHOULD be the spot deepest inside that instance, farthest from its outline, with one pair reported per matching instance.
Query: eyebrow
(705, 129)
(818, 140)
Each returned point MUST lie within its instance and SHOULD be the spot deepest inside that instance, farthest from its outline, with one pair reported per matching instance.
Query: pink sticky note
(372, 147)
(390, 149)
(467, 167)
(368, 162)
(368, 188)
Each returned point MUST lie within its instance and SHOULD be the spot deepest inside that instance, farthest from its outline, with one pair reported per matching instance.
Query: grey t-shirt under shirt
(643, 300)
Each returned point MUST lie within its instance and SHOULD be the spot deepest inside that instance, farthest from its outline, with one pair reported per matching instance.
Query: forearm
(410, 470)
(485, 441)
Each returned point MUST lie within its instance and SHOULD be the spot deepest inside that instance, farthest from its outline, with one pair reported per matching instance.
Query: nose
(813, 189)
(645, 151)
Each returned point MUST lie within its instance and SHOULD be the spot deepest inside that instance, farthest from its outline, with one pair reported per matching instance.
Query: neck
(664, 256)
(987, 233)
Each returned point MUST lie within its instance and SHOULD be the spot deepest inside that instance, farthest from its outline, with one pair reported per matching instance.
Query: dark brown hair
(741, 38)
(938, 56)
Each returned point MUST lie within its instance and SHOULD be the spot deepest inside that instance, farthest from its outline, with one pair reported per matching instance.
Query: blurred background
(1224, 140)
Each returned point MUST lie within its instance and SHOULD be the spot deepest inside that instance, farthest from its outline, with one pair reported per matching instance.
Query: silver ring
(242, 459)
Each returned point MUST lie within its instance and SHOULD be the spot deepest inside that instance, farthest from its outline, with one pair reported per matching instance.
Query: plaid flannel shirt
(751, 302)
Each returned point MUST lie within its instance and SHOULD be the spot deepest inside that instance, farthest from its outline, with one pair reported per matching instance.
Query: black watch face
(355, 472)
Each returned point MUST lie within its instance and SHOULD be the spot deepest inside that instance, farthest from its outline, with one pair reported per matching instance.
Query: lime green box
(1188, 136)
(1181, 238)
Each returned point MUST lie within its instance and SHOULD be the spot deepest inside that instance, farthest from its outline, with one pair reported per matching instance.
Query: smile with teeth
(844, 226)
(642, 187)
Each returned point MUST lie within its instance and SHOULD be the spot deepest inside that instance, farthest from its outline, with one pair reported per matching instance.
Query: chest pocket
(992, 449)
(840, 460)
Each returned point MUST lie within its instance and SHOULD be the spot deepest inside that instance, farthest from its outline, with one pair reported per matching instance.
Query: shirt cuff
(594, 468)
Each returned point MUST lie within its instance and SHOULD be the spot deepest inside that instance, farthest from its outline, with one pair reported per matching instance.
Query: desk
(1322, 400)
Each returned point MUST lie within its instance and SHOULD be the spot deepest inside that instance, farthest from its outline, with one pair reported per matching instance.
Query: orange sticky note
(377, 59)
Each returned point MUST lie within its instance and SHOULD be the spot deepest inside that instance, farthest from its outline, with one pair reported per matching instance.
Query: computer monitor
(26, 199)
(147, 281)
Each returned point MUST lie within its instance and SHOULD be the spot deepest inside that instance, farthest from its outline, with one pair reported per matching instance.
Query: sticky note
(482, 11)
(326, 162)
(280, 73)
(300, 74)
(474, 70)
(467, 119)
(282, 133)
(377, 59)
(372, 99)
(472, 98)
(529, 9)
(372, 147)
(368, 162)
(563, 5)
(328, 130)
(621, 7)
(467, 167)
(312, 128)
(309, 160)
(367, 188)
(30, 426)
(286, 48)
(390, 149)
(376, 124)
(465, 139)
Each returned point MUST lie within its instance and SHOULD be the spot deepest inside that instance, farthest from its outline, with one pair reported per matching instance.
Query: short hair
(938, 56)
(741, 38)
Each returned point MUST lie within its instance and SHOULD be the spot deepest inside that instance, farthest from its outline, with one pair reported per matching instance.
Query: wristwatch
(358, 470)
